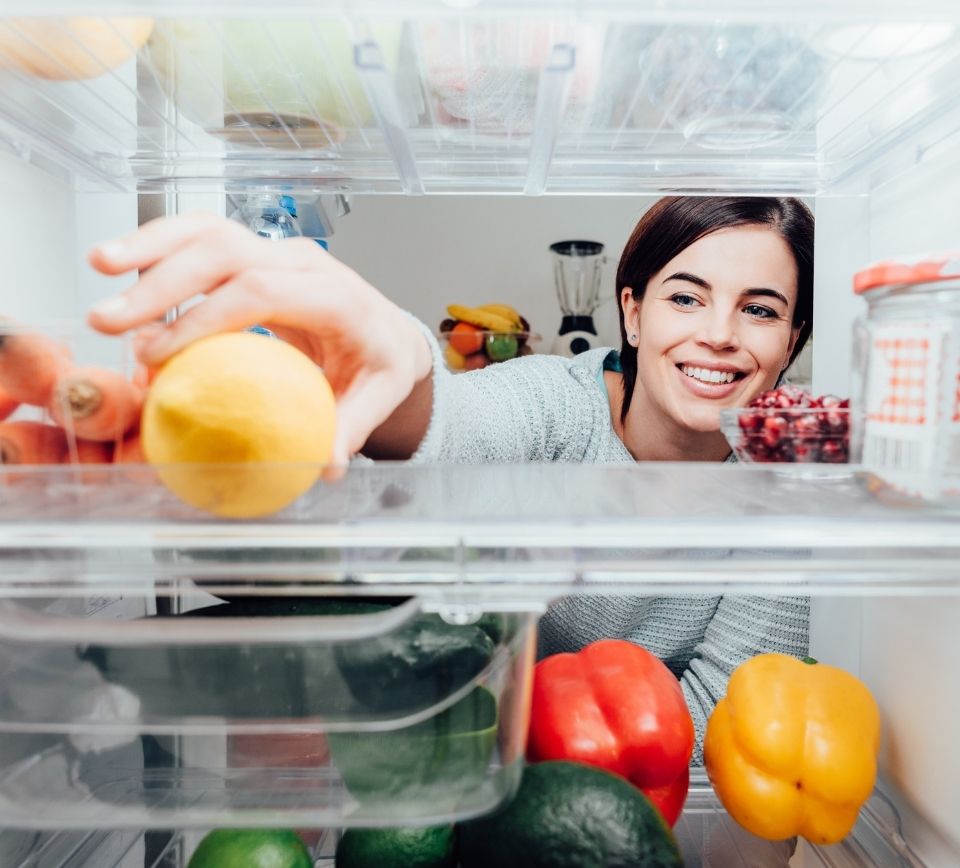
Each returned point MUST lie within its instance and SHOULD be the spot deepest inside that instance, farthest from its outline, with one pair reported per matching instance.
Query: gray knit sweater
(548, 408)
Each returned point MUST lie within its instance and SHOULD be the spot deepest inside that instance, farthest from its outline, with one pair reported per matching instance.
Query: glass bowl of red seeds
(789, 425)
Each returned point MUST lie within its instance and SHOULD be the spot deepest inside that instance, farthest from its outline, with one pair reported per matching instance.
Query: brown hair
(676, 222)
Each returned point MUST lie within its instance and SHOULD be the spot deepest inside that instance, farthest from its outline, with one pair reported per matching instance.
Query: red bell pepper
(616, 706)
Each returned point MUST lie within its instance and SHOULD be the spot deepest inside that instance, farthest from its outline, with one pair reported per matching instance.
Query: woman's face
(714, 326)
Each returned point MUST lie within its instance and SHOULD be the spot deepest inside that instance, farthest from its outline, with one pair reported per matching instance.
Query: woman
(715, 302)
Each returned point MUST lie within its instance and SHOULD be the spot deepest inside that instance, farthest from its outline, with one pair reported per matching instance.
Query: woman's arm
(742, 627)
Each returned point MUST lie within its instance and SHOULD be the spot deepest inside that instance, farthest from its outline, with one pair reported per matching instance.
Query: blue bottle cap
(290, 204)
(260, 330)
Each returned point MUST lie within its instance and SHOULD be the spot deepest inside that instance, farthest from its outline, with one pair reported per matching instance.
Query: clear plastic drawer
(277, 711)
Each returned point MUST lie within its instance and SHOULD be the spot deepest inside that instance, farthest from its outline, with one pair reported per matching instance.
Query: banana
(505, 311)
(481, 318)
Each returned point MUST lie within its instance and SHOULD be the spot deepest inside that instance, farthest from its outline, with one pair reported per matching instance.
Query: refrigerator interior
(855, 108)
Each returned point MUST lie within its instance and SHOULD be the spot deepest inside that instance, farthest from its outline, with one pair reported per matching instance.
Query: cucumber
(399, 673)
(436, 760)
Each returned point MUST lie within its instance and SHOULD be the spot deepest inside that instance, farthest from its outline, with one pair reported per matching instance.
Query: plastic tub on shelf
(262, 711)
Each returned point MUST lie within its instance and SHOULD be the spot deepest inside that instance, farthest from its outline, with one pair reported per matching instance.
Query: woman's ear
(794, 335)
(631, 313)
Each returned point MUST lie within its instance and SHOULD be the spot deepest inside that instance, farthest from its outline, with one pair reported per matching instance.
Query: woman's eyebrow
(763, 291)
(689, 278)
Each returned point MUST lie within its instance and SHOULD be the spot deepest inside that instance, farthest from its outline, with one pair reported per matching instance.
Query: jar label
(902, 395)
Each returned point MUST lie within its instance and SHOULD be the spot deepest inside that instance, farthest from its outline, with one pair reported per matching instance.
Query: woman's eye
(683, 300)
(758, 310)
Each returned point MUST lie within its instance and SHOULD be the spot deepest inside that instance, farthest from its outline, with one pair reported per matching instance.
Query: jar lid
(908, 270)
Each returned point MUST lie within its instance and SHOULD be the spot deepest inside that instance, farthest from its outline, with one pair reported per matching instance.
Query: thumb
(363, 407)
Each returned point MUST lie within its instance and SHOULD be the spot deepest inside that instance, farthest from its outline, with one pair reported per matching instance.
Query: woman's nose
(718, 332)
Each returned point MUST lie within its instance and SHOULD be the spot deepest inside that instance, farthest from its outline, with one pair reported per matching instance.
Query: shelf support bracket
(378, 83)
(551, 102)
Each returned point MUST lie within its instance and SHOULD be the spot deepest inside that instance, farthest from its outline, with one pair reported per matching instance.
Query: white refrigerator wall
(907, 650)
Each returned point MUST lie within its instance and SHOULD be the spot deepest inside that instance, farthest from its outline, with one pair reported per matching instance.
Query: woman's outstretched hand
(372, 353)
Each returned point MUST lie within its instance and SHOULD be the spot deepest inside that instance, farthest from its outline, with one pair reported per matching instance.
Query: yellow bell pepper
(792, 749)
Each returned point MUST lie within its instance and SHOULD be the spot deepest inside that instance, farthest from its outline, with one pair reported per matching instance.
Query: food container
(801, 435)
(288, 84)
(485, 75)
(733, 86)
(278, 711)
(907, 374)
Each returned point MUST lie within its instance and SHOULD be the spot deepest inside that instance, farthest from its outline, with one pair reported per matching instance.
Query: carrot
(7, 405)
(30, 365)
(96, 404)
(32, 443)
(93, 452)
(144, 376)
(129, 450)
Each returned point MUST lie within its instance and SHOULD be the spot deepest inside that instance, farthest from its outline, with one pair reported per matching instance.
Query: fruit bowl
(801, 435)
(487, 347)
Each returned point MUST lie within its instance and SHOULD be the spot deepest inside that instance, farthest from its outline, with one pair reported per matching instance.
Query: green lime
(398, 847)
(502, 347)
(251, 848)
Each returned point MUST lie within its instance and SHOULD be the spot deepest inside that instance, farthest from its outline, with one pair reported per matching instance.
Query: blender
(577, 266)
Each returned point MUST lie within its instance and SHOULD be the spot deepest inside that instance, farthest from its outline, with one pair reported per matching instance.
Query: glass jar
(906, 392)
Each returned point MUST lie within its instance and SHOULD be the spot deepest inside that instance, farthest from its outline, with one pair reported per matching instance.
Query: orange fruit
(466, 339)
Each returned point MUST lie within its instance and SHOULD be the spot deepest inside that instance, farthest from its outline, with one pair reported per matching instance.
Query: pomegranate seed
(774, 429)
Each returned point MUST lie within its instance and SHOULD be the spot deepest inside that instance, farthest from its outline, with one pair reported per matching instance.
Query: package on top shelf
(487, 73)
(284, 83)
(70, 48)
(735, 86)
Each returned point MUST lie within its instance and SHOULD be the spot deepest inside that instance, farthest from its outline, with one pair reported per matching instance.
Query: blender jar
(577, 269)
(907, 375)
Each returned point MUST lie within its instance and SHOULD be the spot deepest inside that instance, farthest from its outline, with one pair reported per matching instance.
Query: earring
(633, 340)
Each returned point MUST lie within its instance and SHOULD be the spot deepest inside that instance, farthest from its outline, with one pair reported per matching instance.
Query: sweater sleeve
(742, 627)
(526, 409)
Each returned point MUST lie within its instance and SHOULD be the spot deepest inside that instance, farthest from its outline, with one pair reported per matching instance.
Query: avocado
(397, 847)
(570, 815)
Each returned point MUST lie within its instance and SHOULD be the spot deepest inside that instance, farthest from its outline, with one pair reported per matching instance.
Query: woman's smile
(710, 380)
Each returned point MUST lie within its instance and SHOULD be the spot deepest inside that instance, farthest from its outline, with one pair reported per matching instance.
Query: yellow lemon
(239, 424)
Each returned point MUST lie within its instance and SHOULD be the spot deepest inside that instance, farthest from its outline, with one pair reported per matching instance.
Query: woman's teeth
(708, 376)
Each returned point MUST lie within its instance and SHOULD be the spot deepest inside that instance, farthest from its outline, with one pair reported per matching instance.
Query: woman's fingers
(151, 242)
(217, 251)
(237, 305)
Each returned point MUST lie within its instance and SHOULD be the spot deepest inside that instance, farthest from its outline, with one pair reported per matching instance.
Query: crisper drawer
(297, 711)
